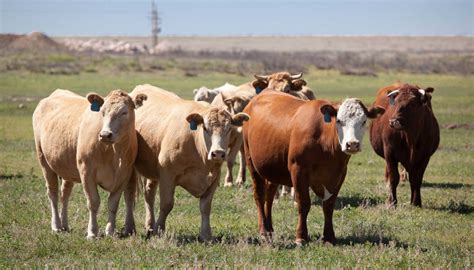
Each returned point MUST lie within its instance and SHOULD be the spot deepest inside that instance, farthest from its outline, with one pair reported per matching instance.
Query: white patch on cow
(350, 124)
(327, 194)
(422, 91)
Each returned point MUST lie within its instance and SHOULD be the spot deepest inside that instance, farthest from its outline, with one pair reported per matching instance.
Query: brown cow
(287, 142)
(407, 133)
(285, 82)
(90, 140)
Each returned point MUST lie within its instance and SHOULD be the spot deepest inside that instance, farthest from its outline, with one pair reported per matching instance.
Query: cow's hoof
(239, 182)
(228, 184)
(92, 236)
(300, 242)
(329, 241)
(129, 232)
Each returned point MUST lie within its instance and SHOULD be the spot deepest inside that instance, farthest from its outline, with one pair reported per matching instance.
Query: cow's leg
(167, 188)
(241, 177)
(300, 183)
(328, 209)
(416, 178)
(259, 197)
(93, 203)
(129, 195)
(150, 193)
(52, 186)
(228, 182)
(392, 178)
(113, 202)
(205, 203)
(269, 196)
(66, 189)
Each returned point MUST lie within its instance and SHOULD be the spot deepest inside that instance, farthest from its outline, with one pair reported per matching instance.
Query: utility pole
(155, 25)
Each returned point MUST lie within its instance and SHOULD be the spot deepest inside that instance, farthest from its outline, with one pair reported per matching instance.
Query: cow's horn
(297, 76)
(393, 93)
(422, 91)
(261, 77)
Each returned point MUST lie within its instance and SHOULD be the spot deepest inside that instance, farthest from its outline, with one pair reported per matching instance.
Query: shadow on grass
(371, 239)
(10, 176)
(357, 201)
(446, 185)
(455, 207)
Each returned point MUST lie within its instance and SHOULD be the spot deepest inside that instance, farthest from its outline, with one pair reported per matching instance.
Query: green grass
(369, 235)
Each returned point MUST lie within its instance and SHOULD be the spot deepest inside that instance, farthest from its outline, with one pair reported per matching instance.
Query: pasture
(440, 235)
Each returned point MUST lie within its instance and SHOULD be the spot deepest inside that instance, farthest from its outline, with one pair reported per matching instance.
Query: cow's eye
(363, 123)
(125, 112)
(339, 122)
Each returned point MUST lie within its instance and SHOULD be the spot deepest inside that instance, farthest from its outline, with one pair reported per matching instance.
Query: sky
(239, 17)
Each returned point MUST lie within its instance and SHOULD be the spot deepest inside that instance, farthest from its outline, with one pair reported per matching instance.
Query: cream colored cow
(80, 144)
(235, 102)
(180, 143)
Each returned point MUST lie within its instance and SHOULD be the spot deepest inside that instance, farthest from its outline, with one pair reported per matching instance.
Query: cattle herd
(285, 136)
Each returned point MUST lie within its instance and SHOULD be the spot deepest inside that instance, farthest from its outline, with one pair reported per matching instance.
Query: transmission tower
(155, 24)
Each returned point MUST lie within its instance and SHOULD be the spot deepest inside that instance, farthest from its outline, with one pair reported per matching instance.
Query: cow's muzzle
(395, 123)
(352, 147)
(218, 155)
(106, 136)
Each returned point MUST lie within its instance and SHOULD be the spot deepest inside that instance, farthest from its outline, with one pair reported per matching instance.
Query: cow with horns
(407, 133)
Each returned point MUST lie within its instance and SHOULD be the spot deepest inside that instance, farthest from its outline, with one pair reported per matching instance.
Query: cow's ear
(375, 112)
(328, 111)
(259, 85)
(95, 100)
(195, 91)
(429, 90)
(194, 120)
(139, 99)
(297, 85)
(239, 119)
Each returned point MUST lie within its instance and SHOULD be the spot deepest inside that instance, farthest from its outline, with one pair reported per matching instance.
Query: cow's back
(56, 122)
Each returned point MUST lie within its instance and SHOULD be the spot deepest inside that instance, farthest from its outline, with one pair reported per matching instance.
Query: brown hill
(34, 42)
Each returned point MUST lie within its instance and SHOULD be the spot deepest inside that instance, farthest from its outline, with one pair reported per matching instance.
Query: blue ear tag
(327, 117)
(258, 90)
(392, 101)
(193, 125)
(95, 107)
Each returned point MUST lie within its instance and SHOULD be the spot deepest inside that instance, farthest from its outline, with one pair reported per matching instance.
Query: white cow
(205, 94)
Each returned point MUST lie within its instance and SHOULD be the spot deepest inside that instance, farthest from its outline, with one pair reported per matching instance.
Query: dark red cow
(302, 144)
(407, 133)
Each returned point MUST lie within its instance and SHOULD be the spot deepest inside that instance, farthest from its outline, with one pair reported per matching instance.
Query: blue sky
(239, 17)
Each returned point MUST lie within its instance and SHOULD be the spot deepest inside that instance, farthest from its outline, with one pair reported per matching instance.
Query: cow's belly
(195, 181)
(110, 178)
(62, 160)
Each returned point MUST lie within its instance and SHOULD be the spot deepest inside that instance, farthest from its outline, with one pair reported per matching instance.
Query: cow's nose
(105, 135)
(218, 155)
(394, 123)
(353, 146)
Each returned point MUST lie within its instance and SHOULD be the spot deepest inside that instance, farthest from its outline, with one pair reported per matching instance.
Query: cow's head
(204, 94)
(408, 101)
(281, 81)
(215, 126)
(118, 115)
(351, 117)
(235, 101)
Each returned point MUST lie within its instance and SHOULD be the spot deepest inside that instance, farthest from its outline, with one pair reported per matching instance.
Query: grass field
(440, 235)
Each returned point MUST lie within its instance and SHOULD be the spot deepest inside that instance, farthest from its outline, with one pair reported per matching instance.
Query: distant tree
(155, 24)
